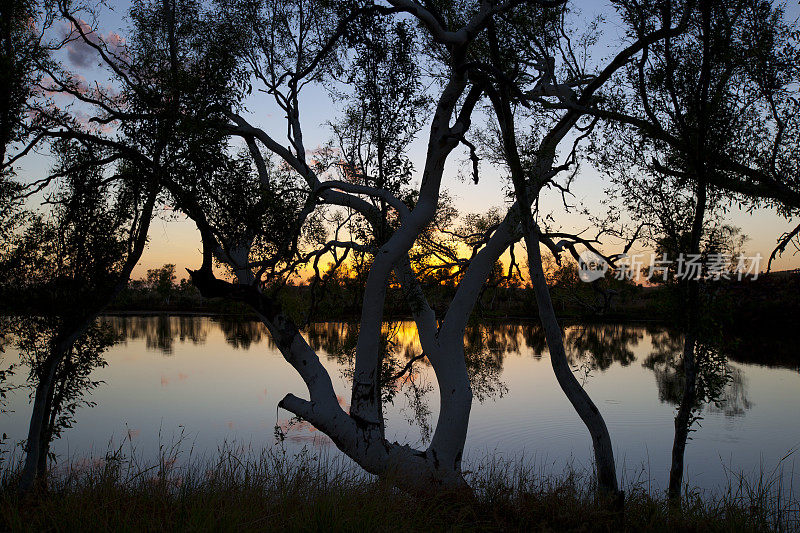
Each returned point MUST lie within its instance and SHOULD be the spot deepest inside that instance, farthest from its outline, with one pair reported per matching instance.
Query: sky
(177, 241)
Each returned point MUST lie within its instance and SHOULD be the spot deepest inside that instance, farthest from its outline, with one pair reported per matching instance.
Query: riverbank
(274, 492)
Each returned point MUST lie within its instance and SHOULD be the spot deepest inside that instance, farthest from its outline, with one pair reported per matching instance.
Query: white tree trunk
(580, 400)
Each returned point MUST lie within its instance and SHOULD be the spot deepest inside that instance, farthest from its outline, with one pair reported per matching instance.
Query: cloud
(81, 54)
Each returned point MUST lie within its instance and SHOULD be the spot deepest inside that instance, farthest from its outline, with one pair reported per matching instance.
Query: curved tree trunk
(35, 431)
(46, 435)
(44, 390)
(580, 400)
(525, 193)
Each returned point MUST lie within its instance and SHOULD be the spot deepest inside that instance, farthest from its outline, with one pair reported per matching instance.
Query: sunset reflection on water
(219, 380)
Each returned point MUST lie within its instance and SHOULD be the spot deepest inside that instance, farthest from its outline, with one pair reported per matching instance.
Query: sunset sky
(177, 241)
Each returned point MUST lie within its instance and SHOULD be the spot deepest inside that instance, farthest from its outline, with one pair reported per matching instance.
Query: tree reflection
(160, 332)
(6, 369)
(6, 372)
(242, 333)
(590, 347)
(535, 339)
(720, 387)
(484, 347)
(600, 346)
(665, 363)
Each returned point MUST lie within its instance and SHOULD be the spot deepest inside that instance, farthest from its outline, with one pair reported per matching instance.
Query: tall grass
(246, 489)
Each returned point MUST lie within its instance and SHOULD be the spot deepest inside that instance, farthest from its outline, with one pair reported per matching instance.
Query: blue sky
(176, 241)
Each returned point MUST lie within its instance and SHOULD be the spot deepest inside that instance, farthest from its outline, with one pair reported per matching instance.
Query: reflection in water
(602, 345)
(6, 369)
(485, 349)
(733, 400)
(222, 379)
(590, 347)
(664, 361)
(719, 386)
(70, 381)
(402, 357)
(160, 332)
(242, 334)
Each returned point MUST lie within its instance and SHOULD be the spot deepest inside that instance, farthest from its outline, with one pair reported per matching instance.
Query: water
(217, 382)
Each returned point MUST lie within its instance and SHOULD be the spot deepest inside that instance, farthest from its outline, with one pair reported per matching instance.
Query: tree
(68, 264)
(22, 48)
(112, 165)
(515, 76)
(162, 280)
(274, 207)
(35, 338)
(296, 56)
(711, 121)
(359, 433)
(532, 168)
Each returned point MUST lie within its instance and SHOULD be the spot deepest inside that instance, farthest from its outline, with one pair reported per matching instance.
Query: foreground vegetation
(269, 491)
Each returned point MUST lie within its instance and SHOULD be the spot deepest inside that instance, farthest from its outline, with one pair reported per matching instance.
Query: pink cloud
(81, 54)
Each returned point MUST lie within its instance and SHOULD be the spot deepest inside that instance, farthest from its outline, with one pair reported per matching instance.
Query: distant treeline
(763, 307)
(753, 316)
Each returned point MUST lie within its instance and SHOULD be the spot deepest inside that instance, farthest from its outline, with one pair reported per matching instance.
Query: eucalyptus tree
(709, 119)
(377, 80)
(293, 46)
(67, 265)
(465, 42)
(73, 382)
(294, 57)
(18, 49)
(723, 96)
(592, 96)
(120, 142)
(22, 47)
(535, 74)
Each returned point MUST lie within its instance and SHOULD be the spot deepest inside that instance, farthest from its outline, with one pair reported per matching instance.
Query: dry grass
(245, 490)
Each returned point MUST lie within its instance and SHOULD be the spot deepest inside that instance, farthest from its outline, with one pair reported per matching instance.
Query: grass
(241, 490)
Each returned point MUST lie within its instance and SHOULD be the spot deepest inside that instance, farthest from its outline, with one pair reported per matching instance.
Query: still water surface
(218, 381)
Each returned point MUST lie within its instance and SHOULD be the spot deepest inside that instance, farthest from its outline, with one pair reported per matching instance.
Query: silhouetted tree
(35, 338)
(162, 281)
(68, 264)
(23, 48)
(116, 163)
(709, 119)
(300, 54)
